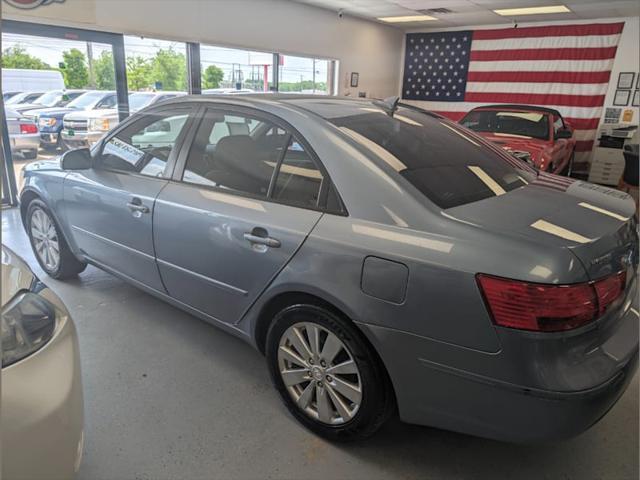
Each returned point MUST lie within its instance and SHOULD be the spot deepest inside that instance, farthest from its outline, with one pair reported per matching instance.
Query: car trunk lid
(593, 222)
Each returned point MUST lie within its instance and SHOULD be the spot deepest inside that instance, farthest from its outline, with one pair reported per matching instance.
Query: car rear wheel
(327, 375)
(49, 246)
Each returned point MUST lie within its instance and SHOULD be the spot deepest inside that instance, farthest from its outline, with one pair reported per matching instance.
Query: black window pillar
(194, 71)
(9, 188)
(120, 64)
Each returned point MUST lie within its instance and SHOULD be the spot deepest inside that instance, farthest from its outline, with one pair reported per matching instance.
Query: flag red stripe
(536, 99)
(540, 77)
(544, 54)
(584, 145)
(550, 31)
(583, 123)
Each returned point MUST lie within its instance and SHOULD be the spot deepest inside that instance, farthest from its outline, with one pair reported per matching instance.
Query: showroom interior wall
(371, 49)
(626, 59)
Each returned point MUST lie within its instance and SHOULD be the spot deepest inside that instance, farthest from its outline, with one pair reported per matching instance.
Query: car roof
(526, 108)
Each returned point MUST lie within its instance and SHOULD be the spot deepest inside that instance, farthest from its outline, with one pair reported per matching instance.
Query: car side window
(232, 152)
(144, 146)
(299, 179)
(557, 124)
(109, 101)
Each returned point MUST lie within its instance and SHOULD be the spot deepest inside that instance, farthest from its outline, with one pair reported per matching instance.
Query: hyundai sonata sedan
(42, 417)
(380, 256)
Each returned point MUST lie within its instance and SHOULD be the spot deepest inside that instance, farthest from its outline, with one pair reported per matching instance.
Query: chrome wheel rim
(45, 239)
(319, 373)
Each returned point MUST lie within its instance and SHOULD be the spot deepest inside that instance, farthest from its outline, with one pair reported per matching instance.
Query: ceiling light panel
(511, 12)
(407, 19)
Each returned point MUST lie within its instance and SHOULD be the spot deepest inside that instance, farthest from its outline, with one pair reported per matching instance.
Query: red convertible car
(536, 135)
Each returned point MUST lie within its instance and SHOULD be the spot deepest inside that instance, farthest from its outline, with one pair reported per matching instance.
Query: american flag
(566, 67)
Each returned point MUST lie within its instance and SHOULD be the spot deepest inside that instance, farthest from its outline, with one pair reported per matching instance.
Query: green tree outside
(75, 71)
(300, 86)
(212, 77)
(17, 57)
(104, 71)
(169, 68)
(139, 72)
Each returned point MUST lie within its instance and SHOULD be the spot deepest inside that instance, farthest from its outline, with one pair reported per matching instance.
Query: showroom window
(229, 70)
(144, 146)
(306, 75)
(155, 65)
(235, 152)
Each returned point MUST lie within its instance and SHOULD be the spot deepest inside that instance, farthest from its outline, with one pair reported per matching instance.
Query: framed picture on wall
(355, 77)
(622, 98)
(625, 80)
(636, 101)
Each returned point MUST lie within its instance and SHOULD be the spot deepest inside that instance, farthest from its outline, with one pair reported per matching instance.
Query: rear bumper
(42, 408)
(458, 389)
(22, 142)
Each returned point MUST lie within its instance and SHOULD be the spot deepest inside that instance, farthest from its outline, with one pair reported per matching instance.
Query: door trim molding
(212, 281)
(111, 242)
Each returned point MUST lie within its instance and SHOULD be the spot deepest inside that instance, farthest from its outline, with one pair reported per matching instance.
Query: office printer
(608, 158)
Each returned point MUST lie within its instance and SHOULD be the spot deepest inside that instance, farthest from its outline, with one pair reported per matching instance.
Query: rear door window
(232, 152)
(299, 179)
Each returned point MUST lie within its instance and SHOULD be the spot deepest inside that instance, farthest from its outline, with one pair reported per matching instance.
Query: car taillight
(548, 308)
(28, 128)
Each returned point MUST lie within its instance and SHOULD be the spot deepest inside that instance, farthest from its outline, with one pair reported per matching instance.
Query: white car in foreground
(41, 399)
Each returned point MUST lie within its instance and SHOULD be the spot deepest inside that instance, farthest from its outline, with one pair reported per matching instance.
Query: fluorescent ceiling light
(409, 18)
(508, 12)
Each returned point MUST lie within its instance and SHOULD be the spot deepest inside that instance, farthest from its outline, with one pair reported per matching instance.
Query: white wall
(371, 49)
(627, 60)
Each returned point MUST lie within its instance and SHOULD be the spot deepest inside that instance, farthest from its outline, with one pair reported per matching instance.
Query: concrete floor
(169, 396)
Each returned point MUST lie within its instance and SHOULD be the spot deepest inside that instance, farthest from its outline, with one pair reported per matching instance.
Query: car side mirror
(79, 159)
(564, 133)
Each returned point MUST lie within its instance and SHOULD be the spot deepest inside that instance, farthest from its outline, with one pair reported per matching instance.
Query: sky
(294, 68)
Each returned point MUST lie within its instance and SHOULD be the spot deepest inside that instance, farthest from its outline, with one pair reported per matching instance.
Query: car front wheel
(50, 248)
(327, 375)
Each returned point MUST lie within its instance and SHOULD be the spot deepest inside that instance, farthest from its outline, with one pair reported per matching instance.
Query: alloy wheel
(45, 239)
(319, 373)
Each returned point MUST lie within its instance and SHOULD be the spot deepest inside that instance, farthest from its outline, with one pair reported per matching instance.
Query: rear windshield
(442, 160)
(508, 123)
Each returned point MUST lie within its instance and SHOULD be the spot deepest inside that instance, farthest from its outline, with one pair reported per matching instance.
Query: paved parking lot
(169, 396)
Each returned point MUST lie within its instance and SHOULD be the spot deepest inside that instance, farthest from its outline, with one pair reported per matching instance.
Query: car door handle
(260, 240)
(137, 207)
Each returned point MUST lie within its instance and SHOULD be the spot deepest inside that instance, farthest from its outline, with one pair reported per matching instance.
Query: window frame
(175, 151)
(234, 109)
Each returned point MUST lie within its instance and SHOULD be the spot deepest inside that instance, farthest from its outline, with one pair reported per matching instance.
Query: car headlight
(99, 124)
(28, 323)
(47, 122)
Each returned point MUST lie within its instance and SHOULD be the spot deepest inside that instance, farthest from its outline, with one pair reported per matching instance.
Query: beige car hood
(16, 275)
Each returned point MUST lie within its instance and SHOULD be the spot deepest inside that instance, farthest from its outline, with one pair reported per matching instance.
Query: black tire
(30, 154)
(378, 400)
(68, 266)
(568, 169)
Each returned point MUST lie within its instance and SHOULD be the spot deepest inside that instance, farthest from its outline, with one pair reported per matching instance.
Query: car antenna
(389, 104)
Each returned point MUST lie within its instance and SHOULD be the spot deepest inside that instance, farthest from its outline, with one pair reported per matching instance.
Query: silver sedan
(24, 135)
(380, 256)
